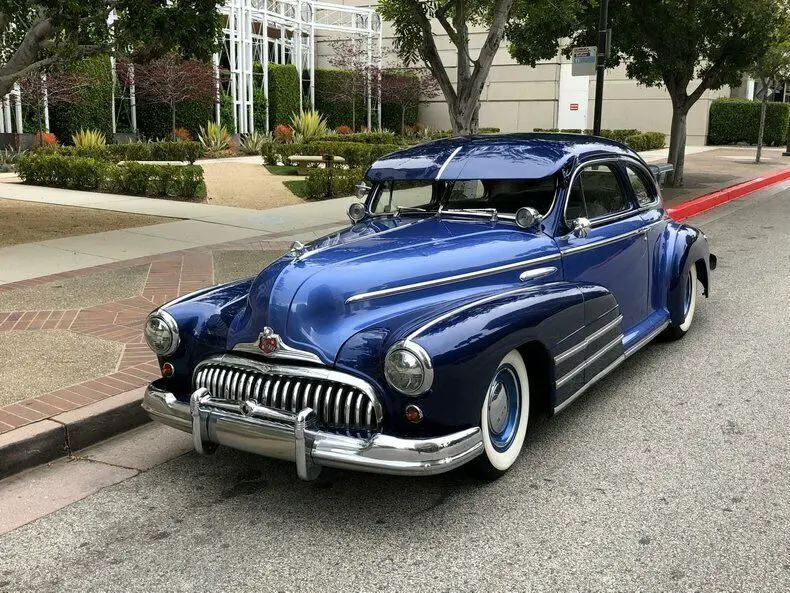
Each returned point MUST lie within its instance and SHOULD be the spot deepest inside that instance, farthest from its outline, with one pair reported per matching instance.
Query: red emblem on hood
(268, 341)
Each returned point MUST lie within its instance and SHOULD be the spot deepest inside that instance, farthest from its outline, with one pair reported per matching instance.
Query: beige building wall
(518, 98)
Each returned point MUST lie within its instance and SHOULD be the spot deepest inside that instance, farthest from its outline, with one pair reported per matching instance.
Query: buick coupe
(483, 280)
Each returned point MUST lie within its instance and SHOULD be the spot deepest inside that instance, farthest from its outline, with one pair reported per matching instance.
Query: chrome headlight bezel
(420, 356)
(170, 324)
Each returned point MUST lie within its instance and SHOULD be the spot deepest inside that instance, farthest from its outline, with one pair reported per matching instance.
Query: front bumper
(295, 437)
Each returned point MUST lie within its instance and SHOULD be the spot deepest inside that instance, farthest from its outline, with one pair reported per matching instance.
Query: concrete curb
(722, 196)
(69, 432)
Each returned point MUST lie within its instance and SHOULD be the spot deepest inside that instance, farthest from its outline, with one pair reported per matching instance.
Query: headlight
(161, 333)
(408, 368)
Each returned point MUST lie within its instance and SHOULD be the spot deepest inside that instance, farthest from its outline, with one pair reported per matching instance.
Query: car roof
(493, 156)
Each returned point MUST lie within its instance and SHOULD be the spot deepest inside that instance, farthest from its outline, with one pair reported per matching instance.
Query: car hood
(305, 301)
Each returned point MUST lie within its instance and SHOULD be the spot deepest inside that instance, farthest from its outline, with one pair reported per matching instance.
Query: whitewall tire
(504, 417)
(677, 331)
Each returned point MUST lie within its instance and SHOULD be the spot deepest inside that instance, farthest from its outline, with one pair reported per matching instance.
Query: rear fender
(689, 247)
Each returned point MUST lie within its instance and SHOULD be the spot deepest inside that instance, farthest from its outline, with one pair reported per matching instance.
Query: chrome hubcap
(504, 407)
(689, 288)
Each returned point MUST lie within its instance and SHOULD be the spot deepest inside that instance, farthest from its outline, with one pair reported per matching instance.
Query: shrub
(133, 151)
(308, 126)
(356, 154)
(738, 120)
(343, 130)
(89, 139)
(183, 135)
(215, 138)
(91, 174)
(367, 137)
(259, 109)
(44, 139)
(284, 92)
(153, 120)
(283, 134)
(646, 141)
(225, 113)
(93, 109)
(254, 142)
(322, 184)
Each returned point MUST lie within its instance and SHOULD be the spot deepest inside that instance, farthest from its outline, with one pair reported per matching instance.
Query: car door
(609, 247)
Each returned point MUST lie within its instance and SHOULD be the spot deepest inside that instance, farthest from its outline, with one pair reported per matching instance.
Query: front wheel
(503, 418)
(677, 331)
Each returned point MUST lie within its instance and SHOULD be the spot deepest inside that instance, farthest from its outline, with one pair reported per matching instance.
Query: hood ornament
(268, 341)
(297, 250)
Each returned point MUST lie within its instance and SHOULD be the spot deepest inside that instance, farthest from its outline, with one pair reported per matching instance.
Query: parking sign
(583, 60)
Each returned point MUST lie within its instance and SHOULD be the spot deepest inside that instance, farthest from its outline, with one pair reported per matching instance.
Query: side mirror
(580, 227)
(357, 212)
(363, 190)
(527, 217)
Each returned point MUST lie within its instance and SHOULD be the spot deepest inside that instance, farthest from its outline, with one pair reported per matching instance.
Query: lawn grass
(281, 170)
(298, 187)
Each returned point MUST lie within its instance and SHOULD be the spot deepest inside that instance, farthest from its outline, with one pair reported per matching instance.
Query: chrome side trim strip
(447, 162)
(610, 240)
(587, 341)
(570, 375)
(471, 305)
(648, 338)
(363, 296)
(589, 384)
(536, 273)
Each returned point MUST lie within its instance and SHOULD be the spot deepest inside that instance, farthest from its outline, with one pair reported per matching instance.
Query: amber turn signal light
(168, 370)
(413, 414)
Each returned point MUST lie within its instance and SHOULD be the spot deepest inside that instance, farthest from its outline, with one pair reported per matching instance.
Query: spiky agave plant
(89, 139)
(254, 142)
(309, 125)
(214, 138)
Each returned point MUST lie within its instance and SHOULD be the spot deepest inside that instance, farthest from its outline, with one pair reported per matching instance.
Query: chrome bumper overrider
(295, 437)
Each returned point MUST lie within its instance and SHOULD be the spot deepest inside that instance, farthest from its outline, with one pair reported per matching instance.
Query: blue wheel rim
(689, 288)
(504, 408)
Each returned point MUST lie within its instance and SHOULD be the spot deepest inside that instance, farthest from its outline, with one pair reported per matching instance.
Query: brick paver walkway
(170, 275)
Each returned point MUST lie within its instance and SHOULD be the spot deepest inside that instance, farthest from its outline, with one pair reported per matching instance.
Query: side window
(596, 193)
(644, 195)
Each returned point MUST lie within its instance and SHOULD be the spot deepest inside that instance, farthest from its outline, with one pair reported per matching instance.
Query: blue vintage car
(484, 280)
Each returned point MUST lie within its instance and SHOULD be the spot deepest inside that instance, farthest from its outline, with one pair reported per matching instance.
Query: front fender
(466, 345)
(688, 246)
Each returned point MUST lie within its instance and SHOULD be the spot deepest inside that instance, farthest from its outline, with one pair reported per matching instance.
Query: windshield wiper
(408, 209)
(491, 212)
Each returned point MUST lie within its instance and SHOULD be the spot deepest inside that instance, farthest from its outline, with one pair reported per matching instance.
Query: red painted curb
(722, 196)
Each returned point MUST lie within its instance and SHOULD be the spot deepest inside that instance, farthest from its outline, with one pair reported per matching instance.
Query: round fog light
(168, 370)
(413, 414)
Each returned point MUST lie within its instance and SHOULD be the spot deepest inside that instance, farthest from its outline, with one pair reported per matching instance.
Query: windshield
(506, 196)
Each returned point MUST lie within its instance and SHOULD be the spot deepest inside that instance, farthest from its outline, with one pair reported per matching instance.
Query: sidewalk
(71, 309)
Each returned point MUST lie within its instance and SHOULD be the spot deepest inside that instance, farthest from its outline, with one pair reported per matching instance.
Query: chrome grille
(339, 405)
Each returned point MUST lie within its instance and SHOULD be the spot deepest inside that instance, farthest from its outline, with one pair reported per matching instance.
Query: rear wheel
(677, 331)
(503, 418)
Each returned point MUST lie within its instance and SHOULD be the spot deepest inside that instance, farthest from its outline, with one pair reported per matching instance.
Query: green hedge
(322, 184)
(153, 119)
(284, 91)
(646, 141)
(365, 137)
(90, 174)
(738, 120)
(356, 154)
(133, 151)
(93, 110)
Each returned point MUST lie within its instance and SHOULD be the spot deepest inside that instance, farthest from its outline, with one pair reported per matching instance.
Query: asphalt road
(673, 474)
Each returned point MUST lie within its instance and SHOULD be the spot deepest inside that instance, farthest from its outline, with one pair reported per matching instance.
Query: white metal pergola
(284, 32)
(262, 32)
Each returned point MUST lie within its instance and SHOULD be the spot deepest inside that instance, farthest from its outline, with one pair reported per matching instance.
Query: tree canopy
(686, 46)
(43, 33)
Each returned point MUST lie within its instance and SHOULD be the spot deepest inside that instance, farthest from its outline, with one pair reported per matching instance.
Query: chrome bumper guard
(295, 437)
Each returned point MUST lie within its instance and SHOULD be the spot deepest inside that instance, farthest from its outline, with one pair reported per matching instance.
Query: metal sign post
(603, 37)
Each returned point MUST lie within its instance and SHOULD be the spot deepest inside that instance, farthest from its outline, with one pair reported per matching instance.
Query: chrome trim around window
(571, 374)
(364, 296)
(608, 241)
(447, 162)
(587, 341)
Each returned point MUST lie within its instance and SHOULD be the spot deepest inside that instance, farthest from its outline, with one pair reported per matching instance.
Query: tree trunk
(677, 144)
(763, 108)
